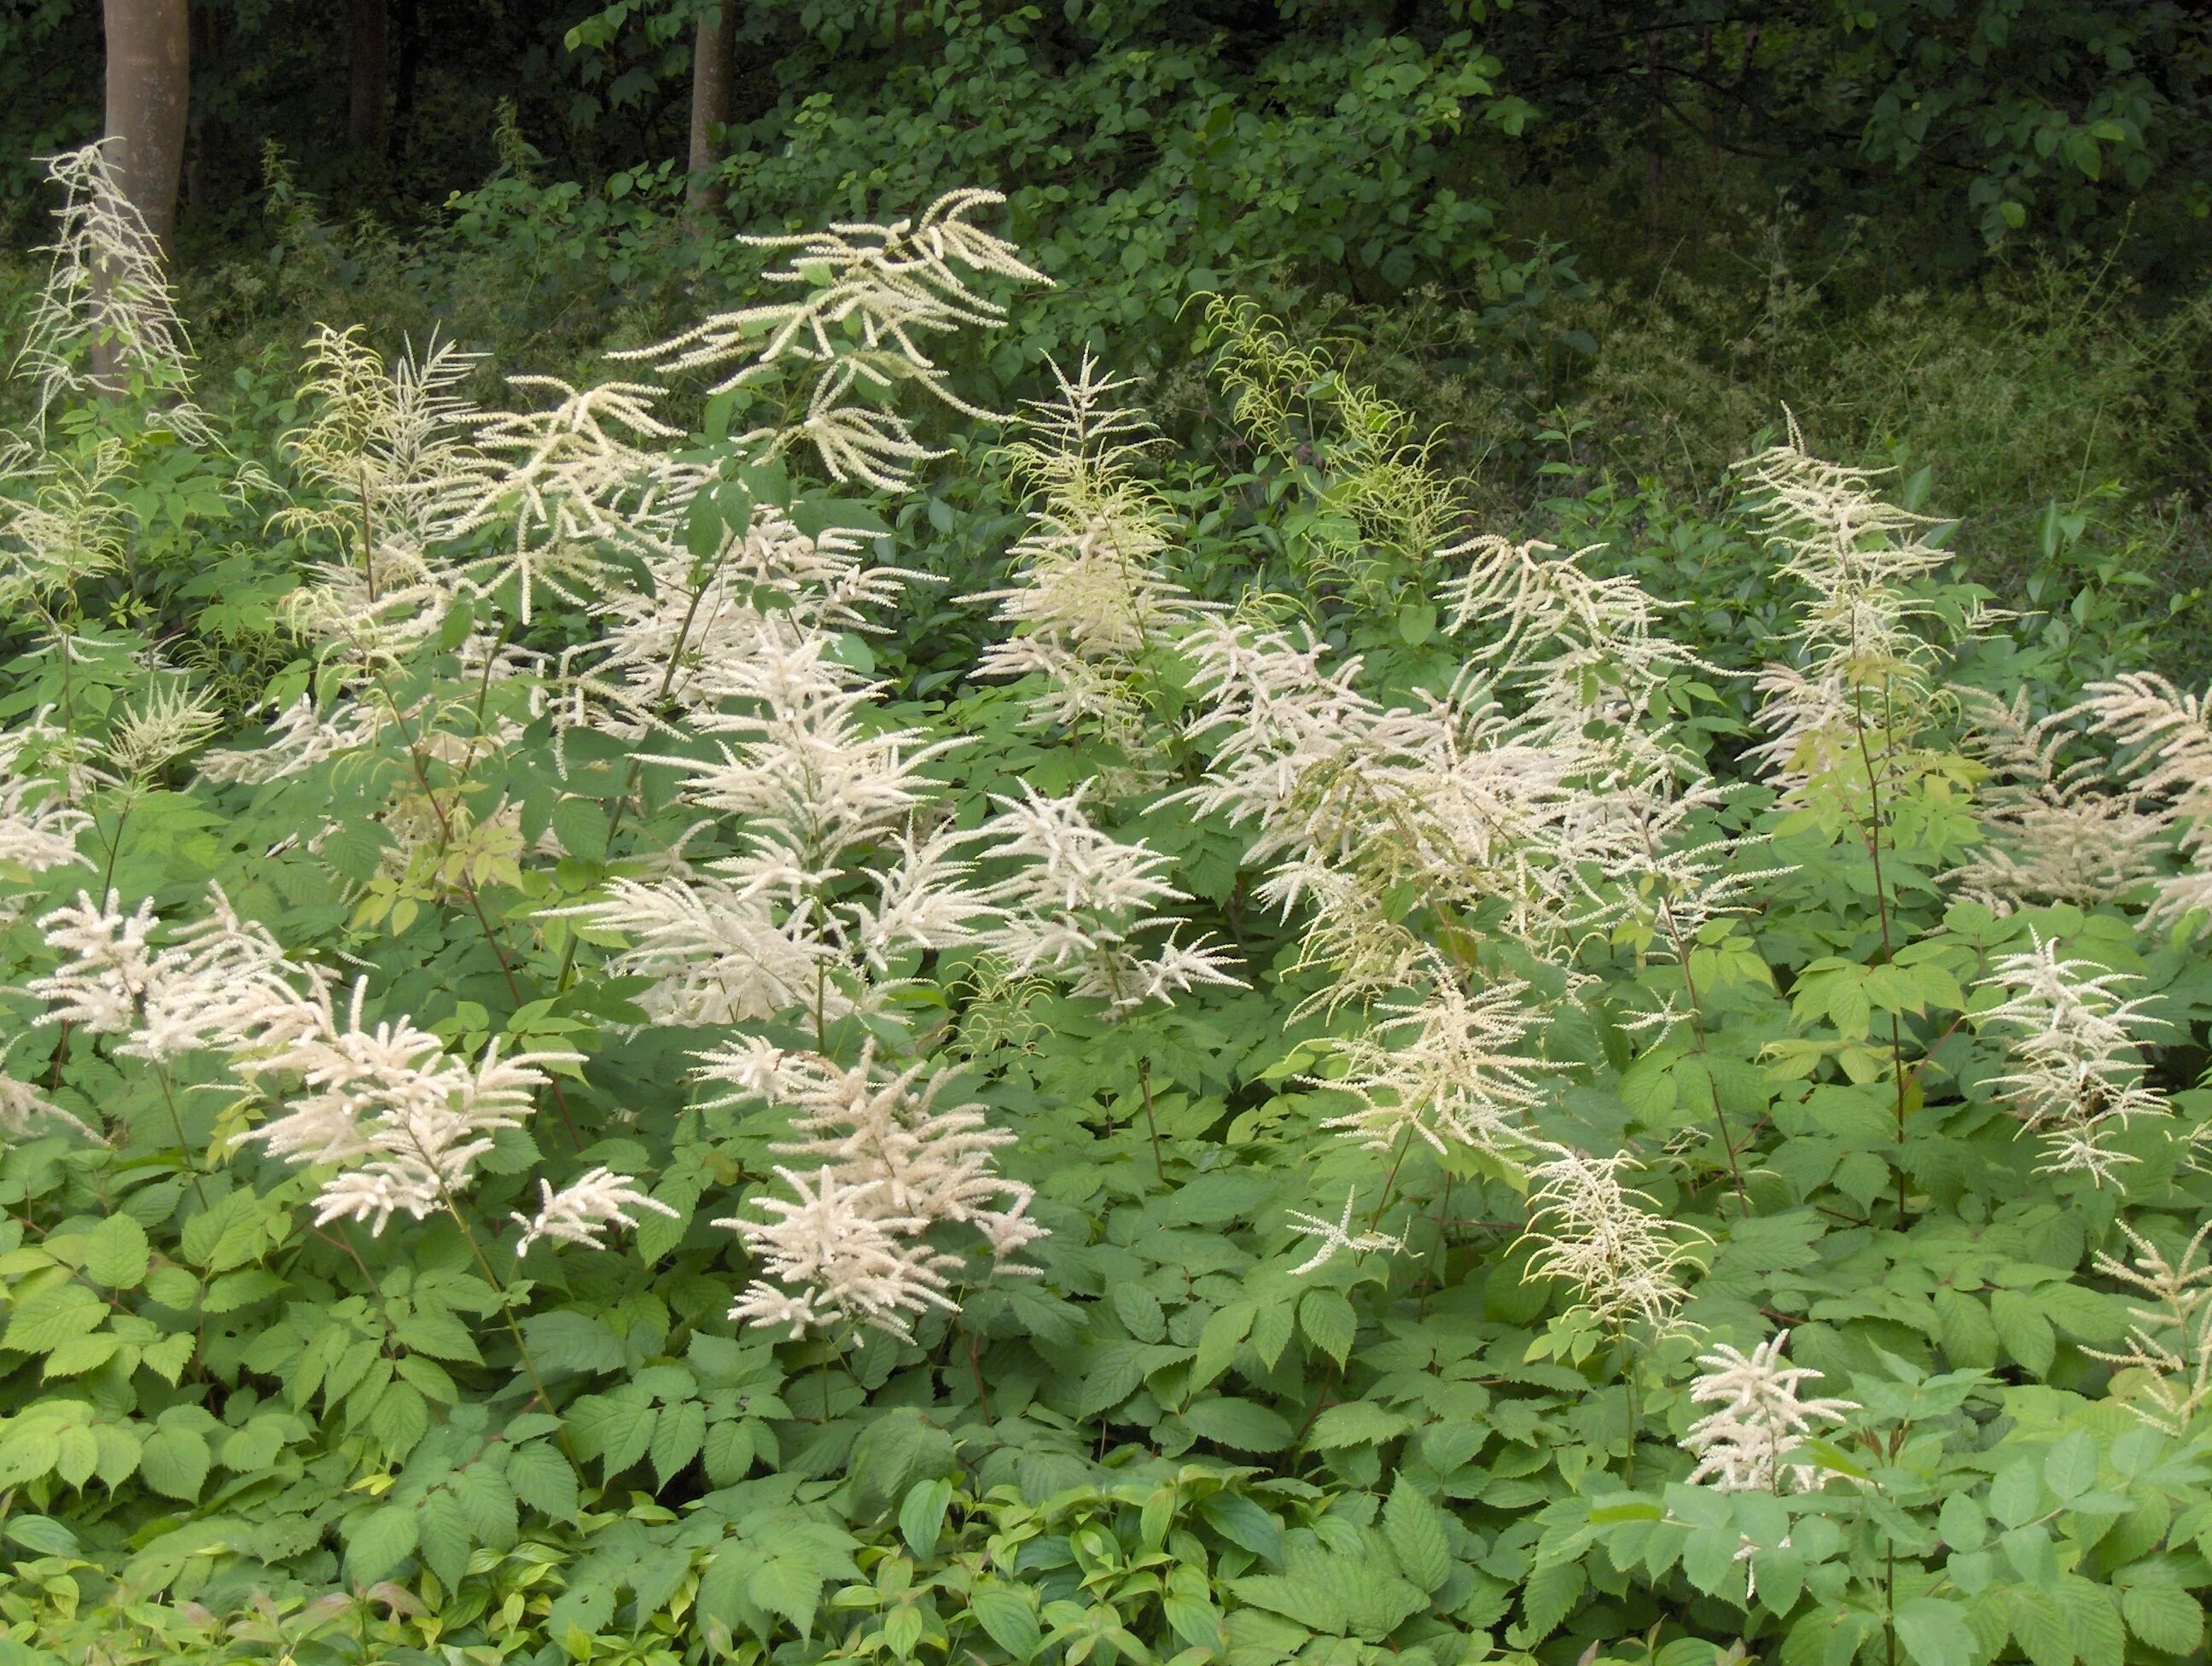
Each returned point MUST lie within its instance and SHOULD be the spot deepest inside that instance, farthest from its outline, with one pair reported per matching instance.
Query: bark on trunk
(149, 84)
(368, 77)
(713, 60)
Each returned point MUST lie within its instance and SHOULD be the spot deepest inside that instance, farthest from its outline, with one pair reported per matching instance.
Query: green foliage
(238, 1423)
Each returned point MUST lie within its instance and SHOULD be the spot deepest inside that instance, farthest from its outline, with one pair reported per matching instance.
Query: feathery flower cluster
(402, 1119)
(2054, 833)
(1092, 598)
(1078, 900)
(39, 824)
(581, 1212)
(889, 286)
(1861, 690)
(106, 309)
(1332, 1237)
(2170, 1344)
(2170, 735)
(1598, 1236)
(1744, 1446)
(852, 1244)
(1447, 1068)
(2078, 1075)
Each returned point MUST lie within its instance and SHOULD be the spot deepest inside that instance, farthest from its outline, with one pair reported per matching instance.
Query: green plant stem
(1152, 1123)
(506, 1301)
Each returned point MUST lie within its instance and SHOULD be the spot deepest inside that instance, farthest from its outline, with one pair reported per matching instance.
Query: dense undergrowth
(732, 1010)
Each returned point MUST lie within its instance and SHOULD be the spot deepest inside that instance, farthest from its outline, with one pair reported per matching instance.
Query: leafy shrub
(1327, 1094)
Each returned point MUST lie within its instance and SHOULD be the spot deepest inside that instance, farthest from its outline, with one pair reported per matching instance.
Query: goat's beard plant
(585, 810)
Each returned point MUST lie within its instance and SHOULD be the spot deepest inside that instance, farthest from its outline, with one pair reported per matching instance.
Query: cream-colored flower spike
(1091, 598)
(2169, 1344)
(890, 286)
(2078, 1067)
(107, 295)
(2056, 833)
(2170, 734)
(39, 825)
(1598, 1236)
(1745, 1445)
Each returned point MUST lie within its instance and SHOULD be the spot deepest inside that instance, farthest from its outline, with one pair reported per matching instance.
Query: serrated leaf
(2023, 1328)
(174, 1463)
(2038, 1627)
(1328, 1322)
(1355, 1423)
(618, 1429)
(1934, 1632)
(116, 1255)
(49, 1317)
(677, 1438)
(2166, 1617)
(2016, 1494)
(1242, 1426)
(2094, 1620)
(400, 1419)
(1008, 1616)
(438, 1334)
(562, 1341)
(443, 1538)
(727, 1451)
(385, 1538)
(788, 1583)
(1414, 1529)
(2069, 1468)
(921, 1515)
(543, 1478)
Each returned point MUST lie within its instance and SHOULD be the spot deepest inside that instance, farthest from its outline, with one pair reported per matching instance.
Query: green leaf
(2069, 1468)
(437, 1333)
(174, 1463)
(443, 1538)
(2024, 1328)
(401, 1418)
(1218, 1340)
(1241, 1426)
(543, 1478)
(677, 1438)
(2166, 1617)
(1328, 1320)
(2094, 1619)
(1355, 1423)
(1415, 1530)
(49, 1317)
(787, 1583)
(2016, 1494)
(2038, 1627)
(1934, 1632)
(115, 1253)
(921, 1517)
(1962, 1523)
(1007, 1614)
(563, 1341)
(616, 1428)
(385, 1538)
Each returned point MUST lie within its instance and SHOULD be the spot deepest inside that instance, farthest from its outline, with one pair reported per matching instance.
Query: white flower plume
(581, 1212)
(2078, 1067)
(1744, 1446)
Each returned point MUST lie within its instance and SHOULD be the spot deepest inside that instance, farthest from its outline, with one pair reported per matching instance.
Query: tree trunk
(713, 60)
(368, 77)
(410, 22)
(149, 80)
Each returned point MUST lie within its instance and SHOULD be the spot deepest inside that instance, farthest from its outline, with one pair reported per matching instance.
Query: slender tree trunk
(713, 61)
(149, 84)
(368, 77)
(409, 18)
